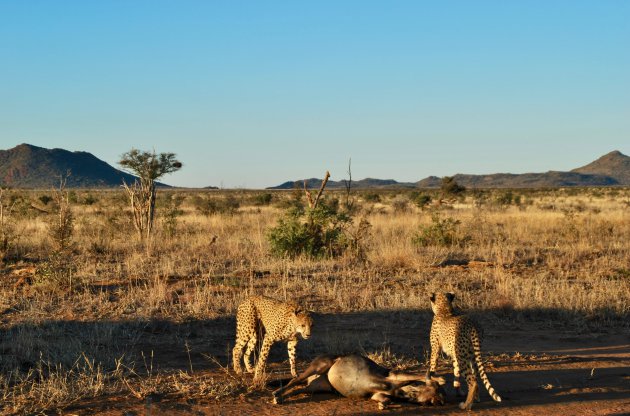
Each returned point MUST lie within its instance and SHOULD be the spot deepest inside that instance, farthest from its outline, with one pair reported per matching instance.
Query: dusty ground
(537, 368)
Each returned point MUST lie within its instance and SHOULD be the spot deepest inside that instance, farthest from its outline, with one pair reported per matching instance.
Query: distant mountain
(610, 169)
(551, 179)
(28, 166)
(366, 183)
(614, 164)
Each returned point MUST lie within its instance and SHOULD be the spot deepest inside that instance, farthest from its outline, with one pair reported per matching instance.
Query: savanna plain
(95, 320)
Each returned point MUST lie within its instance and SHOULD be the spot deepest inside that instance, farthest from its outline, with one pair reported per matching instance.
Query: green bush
(172, 212)
(61, 221)
(90, 200)
(263, 199)
(372, 197)
(451, 187)
(229, 205)
(315, 233)
(72, 197)
(420, 200)
(508, 198)
(57, 272)
(45, 199)
(441, 232)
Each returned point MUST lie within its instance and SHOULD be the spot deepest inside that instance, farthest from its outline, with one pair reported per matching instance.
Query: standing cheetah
(460, 338)
(281, 322)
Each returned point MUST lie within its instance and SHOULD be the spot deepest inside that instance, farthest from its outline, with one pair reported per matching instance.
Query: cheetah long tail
(482, 370)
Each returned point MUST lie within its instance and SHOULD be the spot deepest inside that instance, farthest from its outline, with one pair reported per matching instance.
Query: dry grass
(559, 255)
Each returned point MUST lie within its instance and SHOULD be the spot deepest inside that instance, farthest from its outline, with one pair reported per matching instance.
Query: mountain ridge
(609, 170)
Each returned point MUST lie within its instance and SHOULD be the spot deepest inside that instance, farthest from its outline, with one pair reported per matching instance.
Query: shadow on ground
(558, 370)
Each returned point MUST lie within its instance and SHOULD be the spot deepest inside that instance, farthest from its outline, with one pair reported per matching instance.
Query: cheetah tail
(482, 371)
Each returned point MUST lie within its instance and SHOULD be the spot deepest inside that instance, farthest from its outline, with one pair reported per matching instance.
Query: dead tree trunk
(312, 203)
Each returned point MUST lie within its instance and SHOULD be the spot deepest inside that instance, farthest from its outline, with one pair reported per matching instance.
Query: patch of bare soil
(536, 371)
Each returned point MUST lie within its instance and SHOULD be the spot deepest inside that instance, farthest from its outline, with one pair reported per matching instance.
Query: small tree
(149, 167)
(61, 224)
(451, 187)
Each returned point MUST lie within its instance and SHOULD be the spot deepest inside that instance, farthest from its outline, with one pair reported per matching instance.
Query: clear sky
(250, 94)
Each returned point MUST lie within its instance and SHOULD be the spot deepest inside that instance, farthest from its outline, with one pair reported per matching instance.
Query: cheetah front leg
(291, 349)
(456, 383)
(435, 352)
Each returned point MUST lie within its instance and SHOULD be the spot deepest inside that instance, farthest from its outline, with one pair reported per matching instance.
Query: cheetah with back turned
(281, 321)
(460, 338)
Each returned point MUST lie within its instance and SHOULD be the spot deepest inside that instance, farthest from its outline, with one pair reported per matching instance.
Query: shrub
(400, 204)
(505, 198)
(314, 232)
(420, 200)
(479, 197)
(508, 198)
(229, 205)
(45, 199)
(72, 197)
(57, 272)
(7, 228)
(90, 200)
(441, 232)
(263, 199)
(372, 197)
(172, 212)
(451, 187)
(358, 237)
(61, 222)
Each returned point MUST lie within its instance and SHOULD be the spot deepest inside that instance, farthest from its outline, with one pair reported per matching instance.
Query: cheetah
(460, 338)
(281, 322)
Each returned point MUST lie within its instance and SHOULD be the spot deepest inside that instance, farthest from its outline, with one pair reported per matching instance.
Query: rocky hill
(551, 179)
(28, 166)
(614, 164)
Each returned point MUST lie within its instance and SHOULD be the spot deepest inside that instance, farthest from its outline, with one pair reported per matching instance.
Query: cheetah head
(302, 322)
(430, 392)
(442, 302)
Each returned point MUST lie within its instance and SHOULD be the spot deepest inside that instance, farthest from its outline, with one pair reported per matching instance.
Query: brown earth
(538, 369)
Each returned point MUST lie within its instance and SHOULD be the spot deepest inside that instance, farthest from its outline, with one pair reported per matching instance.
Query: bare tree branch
(313, 203)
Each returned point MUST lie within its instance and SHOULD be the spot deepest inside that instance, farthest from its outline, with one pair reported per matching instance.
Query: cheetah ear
(299, 310)
(432, 297)
(450, 296)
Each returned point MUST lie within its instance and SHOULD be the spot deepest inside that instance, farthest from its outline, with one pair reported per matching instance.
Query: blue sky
(250, 94)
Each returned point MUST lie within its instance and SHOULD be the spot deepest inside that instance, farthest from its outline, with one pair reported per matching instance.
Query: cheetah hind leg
(473, 388)
(237, 355)
(477, 399)
(251, 344)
